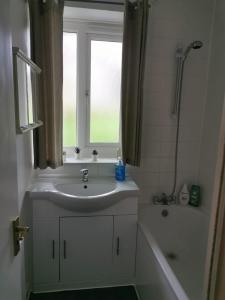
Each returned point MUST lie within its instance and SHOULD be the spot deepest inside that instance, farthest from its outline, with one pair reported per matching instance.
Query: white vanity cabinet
(46, 252)
(73, 250)
(86, 248)
(125, 230)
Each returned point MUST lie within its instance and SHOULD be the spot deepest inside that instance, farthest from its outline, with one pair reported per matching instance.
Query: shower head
(194, 45)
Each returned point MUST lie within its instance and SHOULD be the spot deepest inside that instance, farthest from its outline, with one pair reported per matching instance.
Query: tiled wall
(95, 169)
(173, 23)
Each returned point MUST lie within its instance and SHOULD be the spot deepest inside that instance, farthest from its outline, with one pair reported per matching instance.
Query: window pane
(69, 88)
(105, 91)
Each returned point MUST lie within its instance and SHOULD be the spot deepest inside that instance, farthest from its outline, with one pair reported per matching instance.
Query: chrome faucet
(164, 199)
(84, 173)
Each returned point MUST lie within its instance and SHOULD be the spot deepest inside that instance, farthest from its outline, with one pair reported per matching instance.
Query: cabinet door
(86, 248)
(125, 231)
(45, 252)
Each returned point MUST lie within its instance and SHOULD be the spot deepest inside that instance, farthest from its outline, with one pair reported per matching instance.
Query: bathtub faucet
(164, 199)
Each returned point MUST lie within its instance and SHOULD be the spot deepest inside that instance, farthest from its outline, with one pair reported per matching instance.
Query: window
(91, 89)
(105, 91)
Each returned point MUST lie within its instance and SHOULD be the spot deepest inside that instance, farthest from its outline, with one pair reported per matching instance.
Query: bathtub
(171, 251)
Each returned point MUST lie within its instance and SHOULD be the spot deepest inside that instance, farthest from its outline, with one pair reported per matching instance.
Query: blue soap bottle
(120, 170)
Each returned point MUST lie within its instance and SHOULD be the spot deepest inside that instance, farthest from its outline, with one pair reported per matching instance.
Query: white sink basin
(86, 189)
(94, 195)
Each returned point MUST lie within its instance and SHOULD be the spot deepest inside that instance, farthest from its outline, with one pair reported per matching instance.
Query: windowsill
(73, 160)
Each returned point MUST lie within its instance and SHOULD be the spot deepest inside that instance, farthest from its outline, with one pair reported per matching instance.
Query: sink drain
(85, 186)
(165, 213)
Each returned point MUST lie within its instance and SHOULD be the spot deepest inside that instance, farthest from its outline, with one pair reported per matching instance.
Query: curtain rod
(104, 2)
(99, 2)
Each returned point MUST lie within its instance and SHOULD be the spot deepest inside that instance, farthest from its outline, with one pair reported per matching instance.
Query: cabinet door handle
(118, 246)
(53, 249)
(64, 249)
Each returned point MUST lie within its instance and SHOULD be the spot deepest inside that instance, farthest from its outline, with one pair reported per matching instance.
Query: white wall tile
(167, 149)
(155, 119)
(174, 23)
(168, 133)
(151, 149)
(147, 179)
(152, 133)
(166, 165)
(106, 170)
(151, 164)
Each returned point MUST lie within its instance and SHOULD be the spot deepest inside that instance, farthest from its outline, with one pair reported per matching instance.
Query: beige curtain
(47, 52)
(134, 44)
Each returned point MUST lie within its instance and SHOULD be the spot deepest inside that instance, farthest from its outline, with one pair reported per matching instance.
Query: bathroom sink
(96, 194)
(86, 189)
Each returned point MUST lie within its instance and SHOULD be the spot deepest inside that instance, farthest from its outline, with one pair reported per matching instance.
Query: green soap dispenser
(195, 195)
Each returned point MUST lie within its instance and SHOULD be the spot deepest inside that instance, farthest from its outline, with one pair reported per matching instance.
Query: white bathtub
(171, 253)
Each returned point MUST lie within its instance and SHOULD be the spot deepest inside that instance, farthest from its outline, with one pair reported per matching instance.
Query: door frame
(217, 223)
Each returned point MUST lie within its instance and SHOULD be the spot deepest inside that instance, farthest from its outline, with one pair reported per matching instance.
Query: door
(10, 266)
(86, 248)
(125, 231)
(45, 252)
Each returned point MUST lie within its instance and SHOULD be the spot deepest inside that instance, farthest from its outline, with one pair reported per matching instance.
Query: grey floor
(115, 293)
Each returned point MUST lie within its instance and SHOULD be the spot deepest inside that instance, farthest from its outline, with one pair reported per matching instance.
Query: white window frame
(85, 33)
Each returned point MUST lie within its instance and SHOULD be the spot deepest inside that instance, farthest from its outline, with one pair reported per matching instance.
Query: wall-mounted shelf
(26, 89)
(23, 129)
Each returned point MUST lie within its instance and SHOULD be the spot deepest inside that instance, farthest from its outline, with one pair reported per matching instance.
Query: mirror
(26, 92)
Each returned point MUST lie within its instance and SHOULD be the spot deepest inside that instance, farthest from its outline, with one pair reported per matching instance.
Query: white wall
(20, 31)
(214, 107)
(20, 38)
(173, 23)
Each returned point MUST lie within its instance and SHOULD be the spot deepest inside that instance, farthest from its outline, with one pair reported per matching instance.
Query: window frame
(85, 33)
(105, 38)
